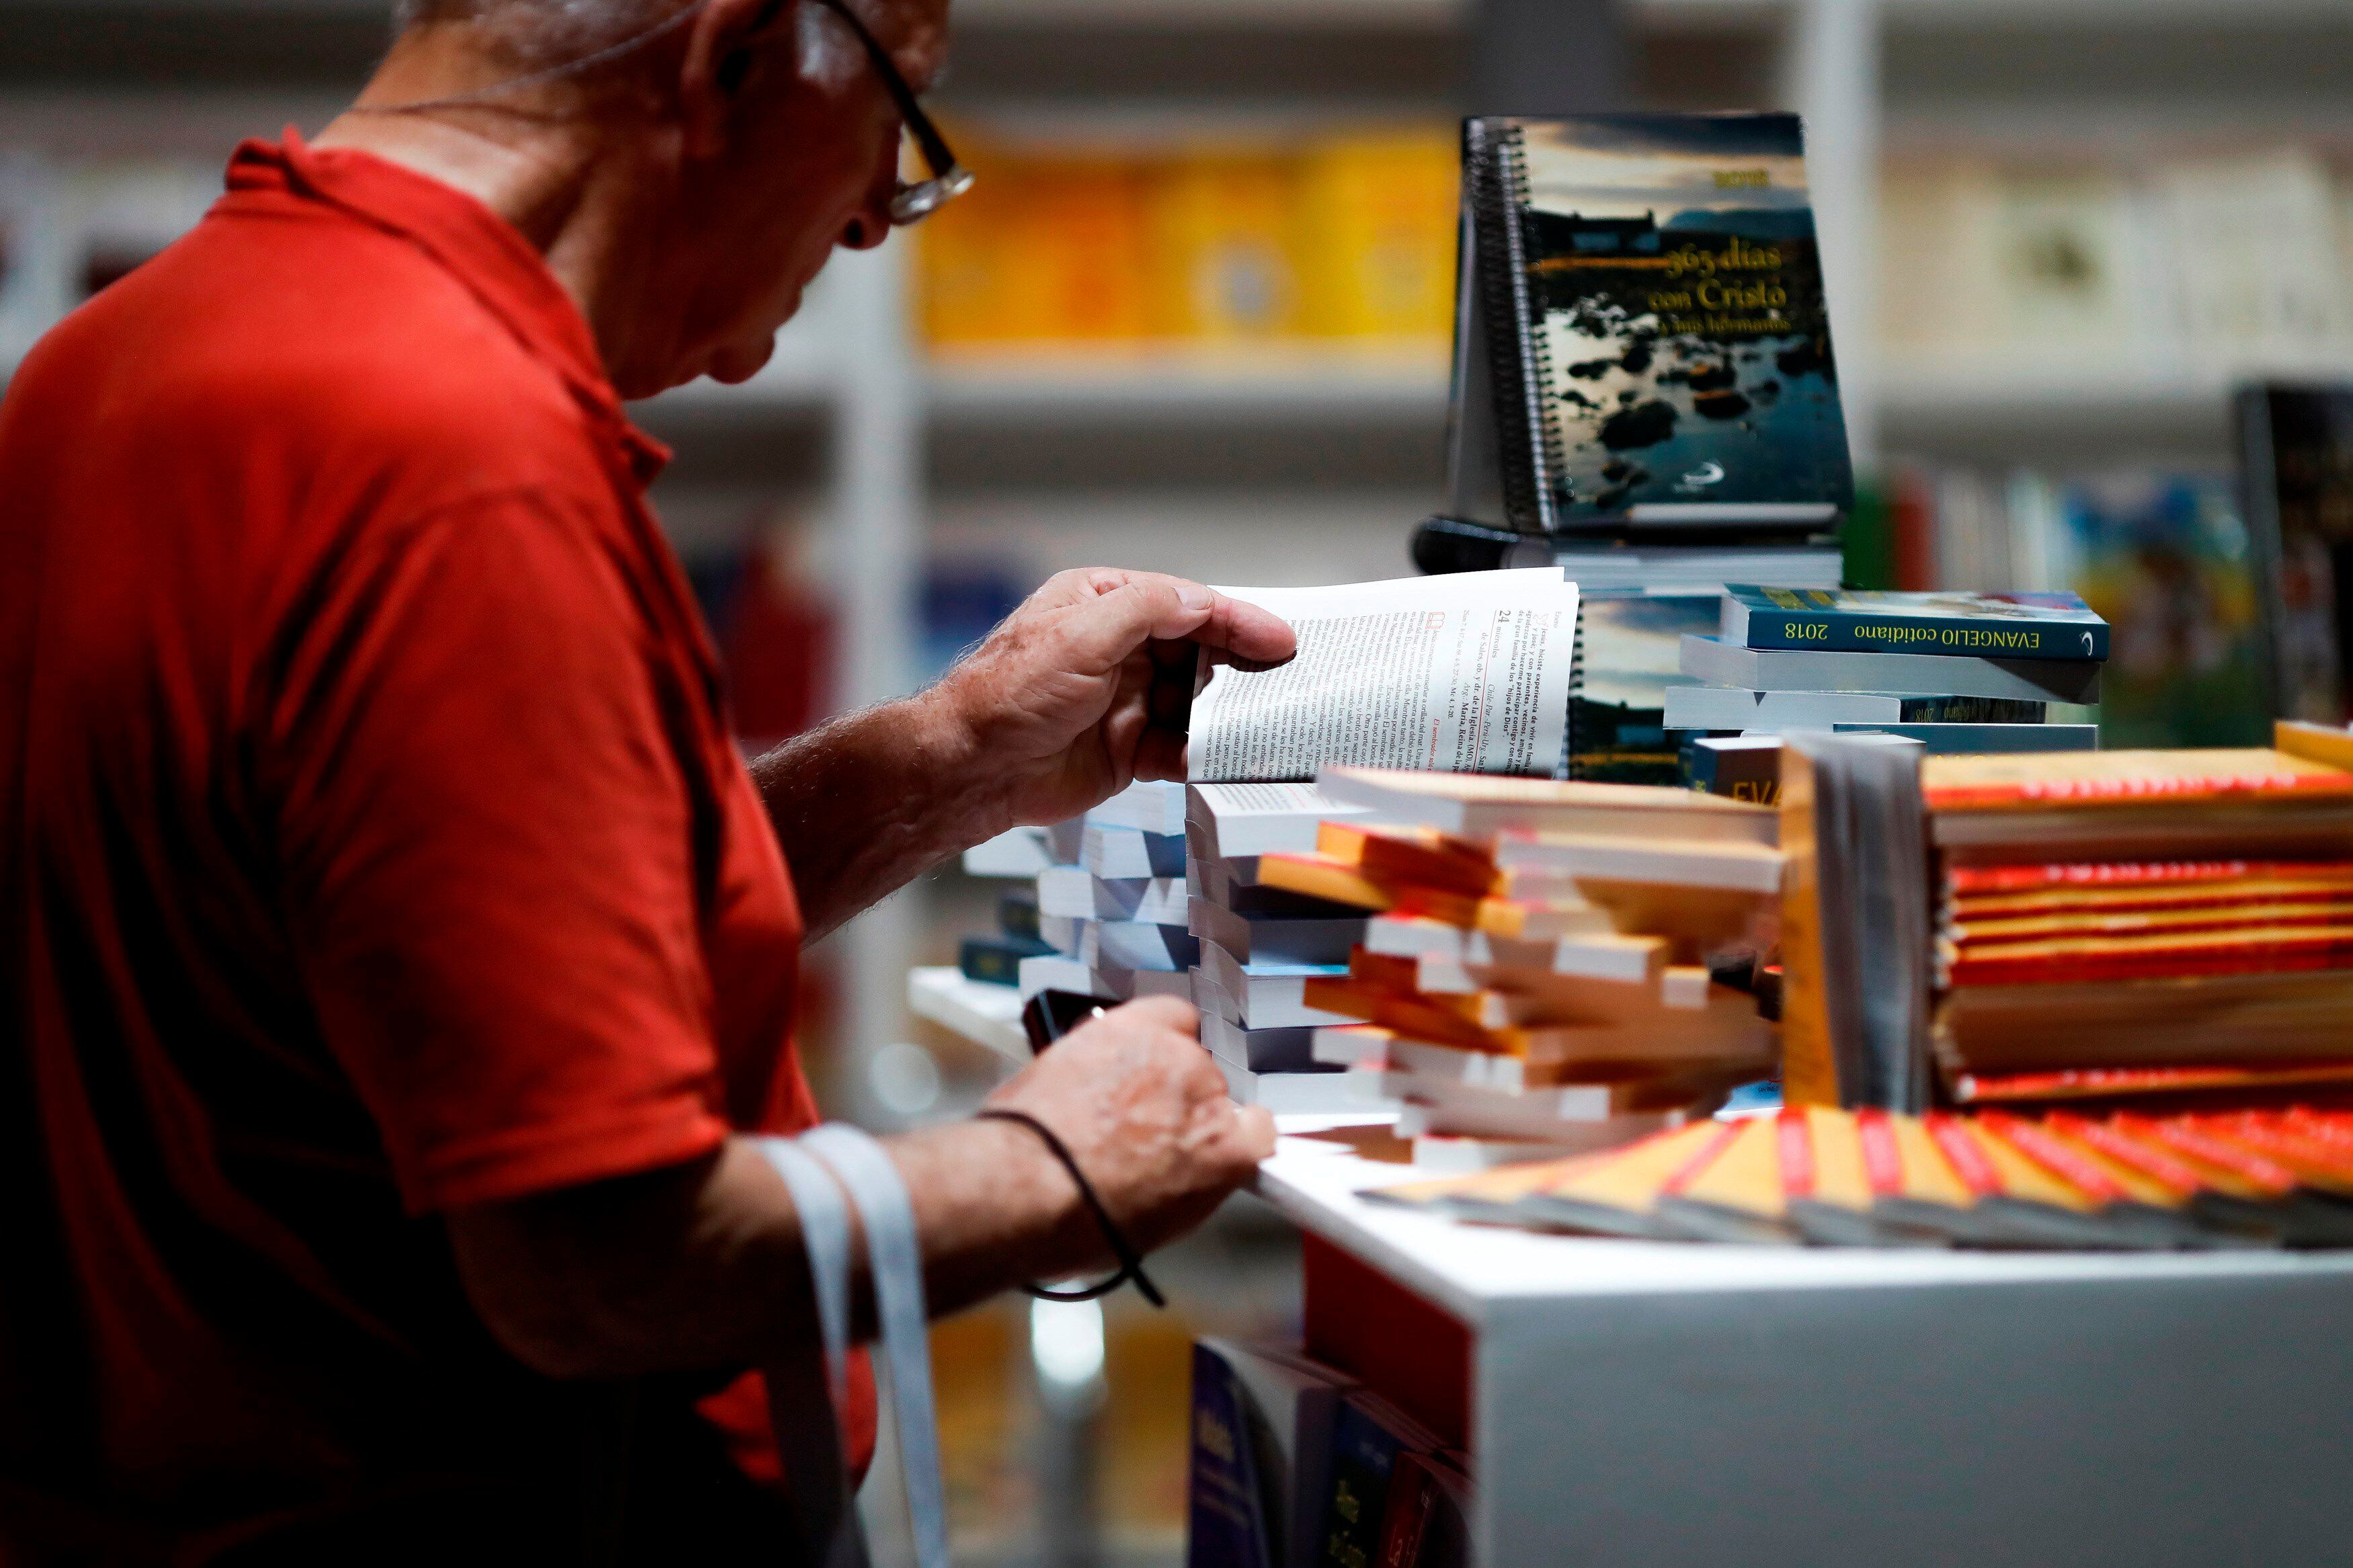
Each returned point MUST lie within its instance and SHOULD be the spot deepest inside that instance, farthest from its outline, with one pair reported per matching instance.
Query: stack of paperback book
(1542, 964)
(1958, 672)
(2045, 928)
(1259, 945)
(2114, 1180)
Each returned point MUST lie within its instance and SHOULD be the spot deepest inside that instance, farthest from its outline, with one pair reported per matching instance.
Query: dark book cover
(2296, 487)
(1226, 1521)
(1017, 914)
(1364, 1455)
(996, 960)
(1737, 767)
(1677, 319)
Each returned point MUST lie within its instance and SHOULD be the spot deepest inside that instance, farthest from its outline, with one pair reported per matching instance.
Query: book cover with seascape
(1627, 652)
(1657, 343)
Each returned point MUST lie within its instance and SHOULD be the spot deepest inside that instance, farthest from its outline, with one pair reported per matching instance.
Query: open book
(1469, 673)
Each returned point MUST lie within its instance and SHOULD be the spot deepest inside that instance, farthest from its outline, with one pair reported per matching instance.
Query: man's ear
(728, 45)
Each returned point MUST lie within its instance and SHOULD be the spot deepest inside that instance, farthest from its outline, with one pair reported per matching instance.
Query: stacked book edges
(1260, 946)
(1554, 964)
(1103, 913)
(2062, 974)
(2120, 1181)
(2088, 926)
(1957, 672)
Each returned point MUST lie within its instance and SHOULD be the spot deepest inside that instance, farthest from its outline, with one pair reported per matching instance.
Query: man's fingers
(1249, 635)
(1254, 1129)
(1145, 607)
(1161, 1012)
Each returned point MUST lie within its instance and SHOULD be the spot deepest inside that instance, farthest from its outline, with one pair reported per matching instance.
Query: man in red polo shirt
(394, 951)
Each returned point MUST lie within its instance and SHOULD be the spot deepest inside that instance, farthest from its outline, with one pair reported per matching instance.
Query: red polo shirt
(371, 843)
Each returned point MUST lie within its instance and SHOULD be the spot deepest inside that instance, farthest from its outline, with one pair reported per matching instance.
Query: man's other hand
(1089, 684)
(1145, 1113)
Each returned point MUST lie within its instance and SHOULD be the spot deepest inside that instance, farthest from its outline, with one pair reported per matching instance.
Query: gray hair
(545, 32)
(547, 35)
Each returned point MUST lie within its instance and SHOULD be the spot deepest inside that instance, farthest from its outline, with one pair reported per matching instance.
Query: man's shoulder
(321, 343)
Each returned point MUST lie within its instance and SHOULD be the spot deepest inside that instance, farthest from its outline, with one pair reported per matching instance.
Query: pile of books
(2113, 1180)
(1107, 916)
(1295, 1462)
(1261, 946)
(2032, 929)
(1958, 672)
(1541, 965)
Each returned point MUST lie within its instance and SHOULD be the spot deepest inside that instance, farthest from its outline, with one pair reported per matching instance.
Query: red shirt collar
(480, 249)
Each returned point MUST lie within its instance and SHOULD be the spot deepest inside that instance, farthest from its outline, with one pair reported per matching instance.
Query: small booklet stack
(2113, 1181)
(1536, 967)
(1958, 672)
(1110, 903)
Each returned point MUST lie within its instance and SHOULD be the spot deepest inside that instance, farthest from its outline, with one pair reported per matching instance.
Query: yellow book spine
(1809, 1063)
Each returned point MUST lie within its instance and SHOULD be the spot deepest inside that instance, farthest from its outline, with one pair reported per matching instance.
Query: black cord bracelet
(1131, 1264)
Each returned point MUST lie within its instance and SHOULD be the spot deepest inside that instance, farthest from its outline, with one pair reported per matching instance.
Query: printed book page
(1467, 673)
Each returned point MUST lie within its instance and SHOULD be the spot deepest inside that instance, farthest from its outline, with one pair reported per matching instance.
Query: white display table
(1666, 1404)
(1662, 1404)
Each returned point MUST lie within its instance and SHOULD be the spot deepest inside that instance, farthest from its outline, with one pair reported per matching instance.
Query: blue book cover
(1976, 626)
(1226, 1516)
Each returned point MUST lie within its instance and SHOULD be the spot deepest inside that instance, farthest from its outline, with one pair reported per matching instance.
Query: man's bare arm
(869, 801)
(701, 1266)
(1081, 691)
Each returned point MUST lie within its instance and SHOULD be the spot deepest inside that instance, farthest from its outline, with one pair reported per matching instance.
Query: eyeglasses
(912, 202)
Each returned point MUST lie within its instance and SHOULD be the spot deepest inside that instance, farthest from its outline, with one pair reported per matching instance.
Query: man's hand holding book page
(1468, 673)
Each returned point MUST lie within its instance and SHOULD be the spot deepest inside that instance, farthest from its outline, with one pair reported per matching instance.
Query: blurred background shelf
(1304, 384)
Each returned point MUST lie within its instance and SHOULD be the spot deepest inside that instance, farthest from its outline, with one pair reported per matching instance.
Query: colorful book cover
(2165, 561)
(2041, 782)
(1673, 268)
(1983, 626)
(1379, 209)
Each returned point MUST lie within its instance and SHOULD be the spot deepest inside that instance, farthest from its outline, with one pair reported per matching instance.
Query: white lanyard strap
(895, 1260)
(807, 1403)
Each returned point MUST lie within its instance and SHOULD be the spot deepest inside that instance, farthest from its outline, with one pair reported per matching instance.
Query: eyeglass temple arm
(935, 146)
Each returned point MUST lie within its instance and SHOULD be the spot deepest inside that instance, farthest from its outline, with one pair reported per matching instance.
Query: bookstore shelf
(1304, 383)
(1922, 404)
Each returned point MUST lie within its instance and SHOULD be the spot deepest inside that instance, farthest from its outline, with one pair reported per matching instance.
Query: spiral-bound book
(1641, 342)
